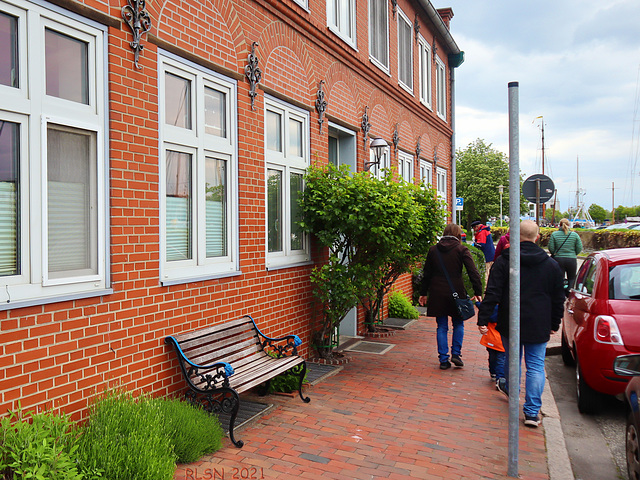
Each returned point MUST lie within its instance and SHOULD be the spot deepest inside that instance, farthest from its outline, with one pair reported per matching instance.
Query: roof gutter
(443, 31)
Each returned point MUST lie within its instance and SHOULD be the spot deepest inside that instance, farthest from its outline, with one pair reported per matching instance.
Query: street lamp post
(500, 189)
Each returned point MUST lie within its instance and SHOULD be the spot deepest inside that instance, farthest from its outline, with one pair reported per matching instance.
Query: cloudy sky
(578, 65)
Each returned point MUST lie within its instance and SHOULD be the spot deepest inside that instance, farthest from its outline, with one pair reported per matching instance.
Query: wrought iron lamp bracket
(321, 104)
(366, 126)
(416, 26)
(139, 20)
(395, 139)
(253, 74)
(418, 150)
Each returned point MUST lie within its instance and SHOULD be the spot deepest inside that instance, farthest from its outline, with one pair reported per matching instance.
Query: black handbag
(464, 306)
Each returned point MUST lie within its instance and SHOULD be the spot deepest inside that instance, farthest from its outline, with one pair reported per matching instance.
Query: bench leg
(233, 404)
(303, 372)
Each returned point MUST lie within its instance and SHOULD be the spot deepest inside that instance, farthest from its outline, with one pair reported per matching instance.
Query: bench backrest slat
(227, 354)
(213, 329)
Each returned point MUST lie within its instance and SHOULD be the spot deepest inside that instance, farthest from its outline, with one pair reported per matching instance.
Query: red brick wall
(58, 355)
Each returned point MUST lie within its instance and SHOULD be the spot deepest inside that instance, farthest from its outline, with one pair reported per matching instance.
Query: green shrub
(400, 306)
(126, 438)
(193, 432)
(286, 382)
(40, 446)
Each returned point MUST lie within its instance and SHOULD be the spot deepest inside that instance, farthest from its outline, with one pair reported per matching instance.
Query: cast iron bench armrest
(228, 369)
(288, 349)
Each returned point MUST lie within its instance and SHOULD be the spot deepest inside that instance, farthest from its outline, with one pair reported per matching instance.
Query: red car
(602, 321)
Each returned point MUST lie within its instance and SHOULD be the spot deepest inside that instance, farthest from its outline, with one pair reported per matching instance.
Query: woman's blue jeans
(534, 354)
(442, 337)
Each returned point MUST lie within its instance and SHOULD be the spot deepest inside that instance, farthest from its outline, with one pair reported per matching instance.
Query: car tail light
(606, 330)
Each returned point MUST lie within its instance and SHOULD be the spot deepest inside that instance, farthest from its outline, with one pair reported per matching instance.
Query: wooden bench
(224, 360)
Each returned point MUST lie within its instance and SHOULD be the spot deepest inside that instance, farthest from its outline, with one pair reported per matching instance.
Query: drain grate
(400, 323)
(370, 347)
(317, 372)
(246, 413)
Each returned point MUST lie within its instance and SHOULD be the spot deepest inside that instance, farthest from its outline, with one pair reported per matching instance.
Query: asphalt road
(595, 443)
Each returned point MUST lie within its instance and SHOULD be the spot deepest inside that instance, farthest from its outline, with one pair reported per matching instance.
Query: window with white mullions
(341, 18)
(425, 71)
(405, 51)
(426, 173)
(53, 146)
(287, 156)
(441, 89)
(405, 166)
(199, 234)
(441, 187)
(379, 32)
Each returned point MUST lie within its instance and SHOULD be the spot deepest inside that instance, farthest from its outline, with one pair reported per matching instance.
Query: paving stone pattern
(395, 416)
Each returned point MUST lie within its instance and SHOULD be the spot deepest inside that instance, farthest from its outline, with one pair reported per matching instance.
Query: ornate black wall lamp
(395, 139)
(394, 5)
(321, 105)
(253, 73)
(136, 16)
(418, 150)
(366, 126)
(416, 27)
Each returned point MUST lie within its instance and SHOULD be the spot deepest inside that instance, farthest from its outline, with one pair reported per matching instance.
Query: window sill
(198, 278)
(48, 300)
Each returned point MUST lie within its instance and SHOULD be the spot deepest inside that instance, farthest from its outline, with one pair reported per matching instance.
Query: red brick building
(151, 155)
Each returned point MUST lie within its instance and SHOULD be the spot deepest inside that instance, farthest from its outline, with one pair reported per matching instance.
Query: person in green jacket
(564, 246)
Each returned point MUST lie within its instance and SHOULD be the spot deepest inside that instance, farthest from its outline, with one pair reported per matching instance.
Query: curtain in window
(9, 237)
(404, 52)
(179, 204)
(216, 207)
(71, 202)
(378, 25)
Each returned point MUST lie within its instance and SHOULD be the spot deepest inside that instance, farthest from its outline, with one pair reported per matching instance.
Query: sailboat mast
(543, 146)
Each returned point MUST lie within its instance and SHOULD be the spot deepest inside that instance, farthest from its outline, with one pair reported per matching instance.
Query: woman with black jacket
(437, 295)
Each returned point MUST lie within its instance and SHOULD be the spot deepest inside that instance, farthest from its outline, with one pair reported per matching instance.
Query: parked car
(623, 226)
(623, 366)
(602, 321)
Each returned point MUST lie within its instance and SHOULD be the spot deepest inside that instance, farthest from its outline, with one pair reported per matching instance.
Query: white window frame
(29, 106)
(288, 164)
(426, 173)
(441, 183)
(303, 3)
(441, 89)
(408, 55)
(405, 166)
(424, 56)
(200, 146)
(340, 25)
(374, 35)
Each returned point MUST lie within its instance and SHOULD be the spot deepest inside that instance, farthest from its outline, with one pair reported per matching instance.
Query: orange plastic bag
(492, 338)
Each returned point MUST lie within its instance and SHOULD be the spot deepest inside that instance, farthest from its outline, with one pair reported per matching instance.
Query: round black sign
(530, 188)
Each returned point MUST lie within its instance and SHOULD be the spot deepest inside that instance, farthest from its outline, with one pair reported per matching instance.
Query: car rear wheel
(589, 401)
(633, 449)
(567, 357)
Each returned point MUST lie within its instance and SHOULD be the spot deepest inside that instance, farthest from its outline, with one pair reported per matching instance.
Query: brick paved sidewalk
(395, 416)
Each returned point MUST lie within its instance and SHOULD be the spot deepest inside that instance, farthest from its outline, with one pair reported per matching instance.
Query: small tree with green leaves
(374, 229)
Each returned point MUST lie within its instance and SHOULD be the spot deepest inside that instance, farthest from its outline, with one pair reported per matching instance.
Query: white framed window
(53, 146)
(405, 166)
(341, 18)
(342, 146)
(303, 3)
(441, 89)
(385, 163)
(405, 51)
(287, 158)
(379, 33)
(198, 172)
(441, 186)
(424, 55)
(426, 173)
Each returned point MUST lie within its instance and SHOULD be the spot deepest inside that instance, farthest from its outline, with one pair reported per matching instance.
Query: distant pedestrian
(503, 243)
(482, 239)
(435, 292)
(541, 307)
(564, 246)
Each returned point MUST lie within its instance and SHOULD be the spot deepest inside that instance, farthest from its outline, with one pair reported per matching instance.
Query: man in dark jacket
(541, 308)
